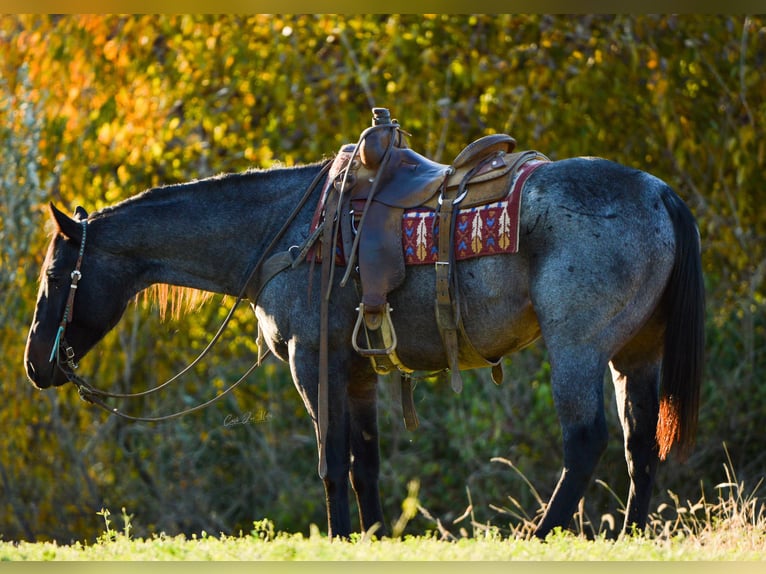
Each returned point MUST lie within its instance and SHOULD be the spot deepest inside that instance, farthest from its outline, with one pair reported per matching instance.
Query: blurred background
(94, 109)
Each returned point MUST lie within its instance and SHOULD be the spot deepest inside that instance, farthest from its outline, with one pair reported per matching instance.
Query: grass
(717, 545)
(733, 527)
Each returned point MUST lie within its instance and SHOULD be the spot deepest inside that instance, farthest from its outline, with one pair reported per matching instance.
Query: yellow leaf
(141, 107)
(122, 174)
(111, 49)
(105, 133)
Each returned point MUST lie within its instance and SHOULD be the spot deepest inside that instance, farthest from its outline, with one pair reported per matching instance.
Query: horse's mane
(180, 300)
(173, 299)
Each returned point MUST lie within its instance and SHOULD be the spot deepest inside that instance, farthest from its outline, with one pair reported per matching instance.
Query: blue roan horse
(608, 273)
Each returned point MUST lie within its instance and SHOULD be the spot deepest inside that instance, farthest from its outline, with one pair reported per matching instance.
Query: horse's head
(94, 310)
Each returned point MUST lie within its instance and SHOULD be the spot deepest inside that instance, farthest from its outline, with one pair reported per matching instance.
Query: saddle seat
(410, 179)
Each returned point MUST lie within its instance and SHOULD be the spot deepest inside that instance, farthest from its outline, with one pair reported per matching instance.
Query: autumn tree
(96, 108)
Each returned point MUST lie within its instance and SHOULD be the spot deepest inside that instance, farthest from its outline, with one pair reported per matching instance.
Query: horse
(607, 273)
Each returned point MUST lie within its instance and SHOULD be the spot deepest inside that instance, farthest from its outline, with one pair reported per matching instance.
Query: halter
(263, 270)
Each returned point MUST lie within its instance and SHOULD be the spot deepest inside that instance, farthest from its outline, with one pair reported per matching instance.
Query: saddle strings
(90, 393)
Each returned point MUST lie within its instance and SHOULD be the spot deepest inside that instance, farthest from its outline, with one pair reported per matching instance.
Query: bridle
(263, 270)
(91, 394)
(60, 342)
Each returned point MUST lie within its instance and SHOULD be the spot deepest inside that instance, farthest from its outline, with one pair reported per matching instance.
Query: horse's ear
(80, 214)
(66, 225)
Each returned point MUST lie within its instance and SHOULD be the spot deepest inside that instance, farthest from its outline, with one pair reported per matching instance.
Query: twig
(742, 87)
(446, 534)
(361, 74)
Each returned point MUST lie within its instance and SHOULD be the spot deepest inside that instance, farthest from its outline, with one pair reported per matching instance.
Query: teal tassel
(55, 349)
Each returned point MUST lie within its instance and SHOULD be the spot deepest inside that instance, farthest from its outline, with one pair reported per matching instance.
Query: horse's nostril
(37, 378)
(31, 373)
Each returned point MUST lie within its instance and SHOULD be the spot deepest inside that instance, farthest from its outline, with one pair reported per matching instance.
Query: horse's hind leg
(636, 386)
(577, 379)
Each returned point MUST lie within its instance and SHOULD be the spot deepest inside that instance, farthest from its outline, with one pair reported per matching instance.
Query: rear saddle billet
(370, 184)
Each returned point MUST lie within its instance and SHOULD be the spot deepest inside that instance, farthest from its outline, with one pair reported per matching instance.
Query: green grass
(732, 528)
(720, 544)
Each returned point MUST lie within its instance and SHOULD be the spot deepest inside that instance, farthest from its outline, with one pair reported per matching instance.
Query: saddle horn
(375, 144)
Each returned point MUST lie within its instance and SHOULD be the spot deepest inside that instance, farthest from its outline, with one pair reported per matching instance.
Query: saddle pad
(488, 229)
(485, 230)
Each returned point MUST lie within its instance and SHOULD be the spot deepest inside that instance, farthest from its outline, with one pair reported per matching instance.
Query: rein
(265, 269)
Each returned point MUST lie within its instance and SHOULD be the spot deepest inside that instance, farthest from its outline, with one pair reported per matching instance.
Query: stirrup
(386, 330)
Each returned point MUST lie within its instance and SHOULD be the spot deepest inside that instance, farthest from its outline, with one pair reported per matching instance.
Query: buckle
(69, 352)
(455, 201)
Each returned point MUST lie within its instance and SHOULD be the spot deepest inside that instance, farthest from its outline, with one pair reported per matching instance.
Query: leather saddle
(370, 184)
(412, 180)
(380, 178)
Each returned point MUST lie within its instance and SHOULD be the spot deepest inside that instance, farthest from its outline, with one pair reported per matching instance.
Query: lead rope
(91, 394)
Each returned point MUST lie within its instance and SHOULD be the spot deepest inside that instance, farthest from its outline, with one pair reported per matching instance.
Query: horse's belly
(495, 308)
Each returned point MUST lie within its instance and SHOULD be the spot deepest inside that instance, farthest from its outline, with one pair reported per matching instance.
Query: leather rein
(264, 269)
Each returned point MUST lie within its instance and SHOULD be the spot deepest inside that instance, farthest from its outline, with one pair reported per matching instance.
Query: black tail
(684, 335)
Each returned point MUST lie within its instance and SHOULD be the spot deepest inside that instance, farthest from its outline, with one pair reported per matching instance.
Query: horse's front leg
(304, 365)
(365, 469)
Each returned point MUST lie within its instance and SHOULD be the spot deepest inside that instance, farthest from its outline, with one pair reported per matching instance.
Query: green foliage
(96, 108)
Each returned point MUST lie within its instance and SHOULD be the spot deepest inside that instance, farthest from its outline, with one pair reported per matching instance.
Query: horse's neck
(204, 234)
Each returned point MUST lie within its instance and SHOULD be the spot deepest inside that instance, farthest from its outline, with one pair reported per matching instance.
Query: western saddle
(368, 187)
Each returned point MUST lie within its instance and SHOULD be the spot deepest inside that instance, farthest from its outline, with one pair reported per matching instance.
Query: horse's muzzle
(41, 372)
(34, 376)
(31, 373)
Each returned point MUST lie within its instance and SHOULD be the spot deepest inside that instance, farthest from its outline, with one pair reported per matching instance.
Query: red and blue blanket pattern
(486, 230)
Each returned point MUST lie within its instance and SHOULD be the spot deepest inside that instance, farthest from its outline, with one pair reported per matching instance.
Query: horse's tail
(684, 335)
